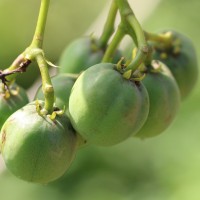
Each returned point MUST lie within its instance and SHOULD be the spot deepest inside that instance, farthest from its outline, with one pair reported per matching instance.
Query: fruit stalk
(47, 86)
(120, 33)
(21, 62)
(109, 26)
(40, 27)
(132, 25)
(35, 51)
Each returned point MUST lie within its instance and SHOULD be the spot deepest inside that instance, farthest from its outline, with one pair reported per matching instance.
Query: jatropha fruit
(79, 55)
(106, 103)
(164, 97)
(82, 54)
(35, 147)
(178, 53)
(106, 108)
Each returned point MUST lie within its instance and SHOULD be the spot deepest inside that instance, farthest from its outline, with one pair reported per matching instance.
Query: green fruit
(182, 61)
(105, 108)
(62, 84)
(36, 148)
(82, 54)
(79, 55)
(164, 97)
(9, 104)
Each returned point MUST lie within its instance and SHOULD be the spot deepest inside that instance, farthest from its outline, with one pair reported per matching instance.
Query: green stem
(47, 87)
(35, 50)
(36, 42)
(109, 26)
(41, 22)
(132, 34)
(165, 39)
(120, 33)
(132, 24)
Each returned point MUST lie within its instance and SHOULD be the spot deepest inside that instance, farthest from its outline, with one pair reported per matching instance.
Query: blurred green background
(66, 21)
(162, 168)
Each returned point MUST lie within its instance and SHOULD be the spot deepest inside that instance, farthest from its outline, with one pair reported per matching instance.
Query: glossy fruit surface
(105, 108)
(17, 99)
(164, 97)
(181, 59)
(36, 148)
(62, 84)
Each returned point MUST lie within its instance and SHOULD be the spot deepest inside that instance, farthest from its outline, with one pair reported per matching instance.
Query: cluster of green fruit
(106, 102)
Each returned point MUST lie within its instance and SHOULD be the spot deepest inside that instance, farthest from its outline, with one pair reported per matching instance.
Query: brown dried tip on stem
(3, 79)
(22, 68)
